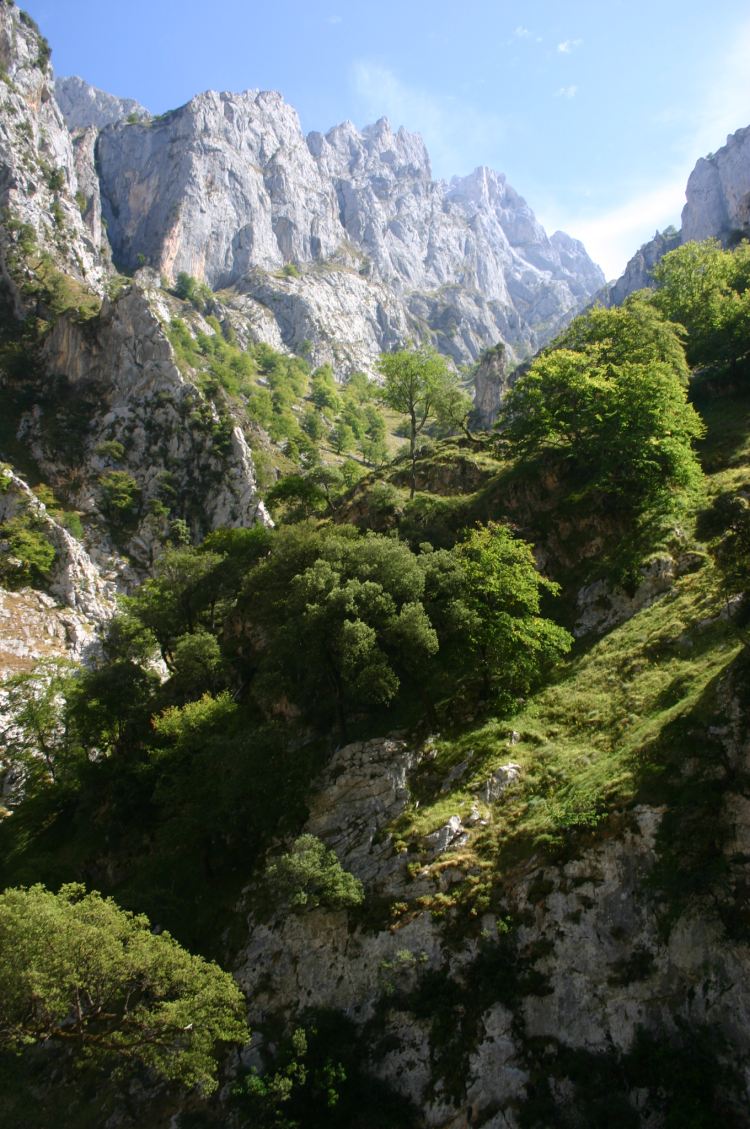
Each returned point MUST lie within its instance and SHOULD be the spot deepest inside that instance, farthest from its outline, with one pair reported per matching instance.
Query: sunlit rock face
(228, 185)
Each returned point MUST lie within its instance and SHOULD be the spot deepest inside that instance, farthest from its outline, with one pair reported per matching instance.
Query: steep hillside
(435, 738)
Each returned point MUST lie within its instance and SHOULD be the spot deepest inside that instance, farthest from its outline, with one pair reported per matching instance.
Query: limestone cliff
(145, 419)
(84, 107)
(718, 193)
(228, 186)
(534, 1002)
(39, 174)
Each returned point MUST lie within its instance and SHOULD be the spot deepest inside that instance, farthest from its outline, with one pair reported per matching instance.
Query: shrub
(310, 875)
(30, 554)
(120, 496)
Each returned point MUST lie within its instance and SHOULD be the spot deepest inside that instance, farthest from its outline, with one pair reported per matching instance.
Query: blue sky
(596, 111)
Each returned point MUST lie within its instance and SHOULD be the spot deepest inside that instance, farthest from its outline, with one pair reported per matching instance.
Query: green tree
(484, 597)
(191, 290)
(179, 598)
(627, 427)
(29, 555)
(706, 289)
(419, 383)
(324, 392)
(310, 875)
(337, 618)
(36, 738)
(636, 332)
(78, 970)
(120, 496)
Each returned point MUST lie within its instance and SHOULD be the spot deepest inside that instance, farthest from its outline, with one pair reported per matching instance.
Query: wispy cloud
(522, 32)
(458, 135)
(334, 20)
(614, 235)
(566, 92)
(568, 45)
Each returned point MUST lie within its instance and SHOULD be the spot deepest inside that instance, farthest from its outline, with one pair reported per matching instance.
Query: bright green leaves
(419, 383)
(310, 875)
(615, 405)
(77, 969)
(341, 621)
(488, 593)
(707, 290)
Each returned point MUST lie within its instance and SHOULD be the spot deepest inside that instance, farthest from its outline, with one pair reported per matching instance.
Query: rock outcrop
(63, 620)
(85, 106)
(465, 1020)
(637, 274)
(717, 207)
(148, 421)
(491, 382)
(38, 172)
(718, 193)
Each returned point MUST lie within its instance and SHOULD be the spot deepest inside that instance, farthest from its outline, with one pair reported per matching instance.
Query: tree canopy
(78, 970)
(707, 290)
(339, 618)
(615, 404)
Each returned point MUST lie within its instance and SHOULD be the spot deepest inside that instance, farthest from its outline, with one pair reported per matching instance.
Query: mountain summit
(228, 189)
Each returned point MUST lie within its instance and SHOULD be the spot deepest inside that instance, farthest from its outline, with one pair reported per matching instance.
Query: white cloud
(522, 32)
(566, 92)
(457, 135)
(568, 45)
(334, 20)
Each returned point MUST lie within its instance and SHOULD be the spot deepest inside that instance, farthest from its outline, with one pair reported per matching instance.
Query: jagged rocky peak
(347, 150)
(85, 106)
(228, 185)
(223, 184)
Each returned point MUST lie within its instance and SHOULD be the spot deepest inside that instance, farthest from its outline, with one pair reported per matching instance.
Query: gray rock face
(38, 170)
(595, 965)
(228, 185)
(718, 207)
(637, 274)
(75, 583)
(334, 314)
(491, 382)
(84, 106)
(170, 435)
(222, 185)
(718, 193)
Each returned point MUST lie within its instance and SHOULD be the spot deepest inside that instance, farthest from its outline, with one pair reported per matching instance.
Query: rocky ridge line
(228, 189)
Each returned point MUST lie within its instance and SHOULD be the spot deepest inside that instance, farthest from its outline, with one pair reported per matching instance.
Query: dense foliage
(76, 969)
(180, 762)
(613, 402)
(310, 875)
(707, 290)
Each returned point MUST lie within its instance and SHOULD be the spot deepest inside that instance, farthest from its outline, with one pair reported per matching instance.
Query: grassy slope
(619, 721)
